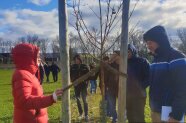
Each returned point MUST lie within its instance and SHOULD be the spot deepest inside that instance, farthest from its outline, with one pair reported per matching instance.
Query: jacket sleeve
(179, 102)
(23, 97)
(146, 73)
(58, 69)
(87, 69)
(178, 70)
(72, 76)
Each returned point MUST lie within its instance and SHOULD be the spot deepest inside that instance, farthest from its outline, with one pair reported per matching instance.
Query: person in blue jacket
(137, 81)
(158, 43)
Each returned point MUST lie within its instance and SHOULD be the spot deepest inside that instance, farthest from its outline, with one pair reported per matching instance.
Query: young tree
(64, 54)
(123, 62)
(94, 39)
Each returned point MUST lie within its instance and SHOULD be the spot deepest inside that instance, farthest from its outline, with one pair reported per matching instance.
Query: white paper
(166, 110)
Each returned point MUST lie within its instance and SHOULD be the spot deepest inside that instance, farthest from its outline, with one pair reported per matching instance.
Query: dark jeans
(55, 76)
(112, 106)
(135, 110)
(83, 93)
(47, 77)
(107, 103)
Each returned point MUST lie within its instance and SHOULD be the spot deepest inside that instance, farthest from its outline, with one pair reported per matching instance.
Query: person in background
(30, 105)
(47, 71)
(106, 60)
(55, 70)
(40, 73)
(158, 43)
(137, 81)
(112, 85)
(77, 70)
(106, 74)
(93, 79)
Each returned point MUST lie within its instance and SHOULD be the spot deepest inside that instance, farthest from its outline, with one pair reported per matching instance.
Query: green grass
(6, 102)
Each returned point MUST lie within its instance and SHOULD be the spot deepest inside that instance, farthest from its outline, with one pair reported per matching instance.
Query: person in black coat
(55, 69)
(158, 43)
(77, 70)
(137, 81)
(47, 71)
(40, 73)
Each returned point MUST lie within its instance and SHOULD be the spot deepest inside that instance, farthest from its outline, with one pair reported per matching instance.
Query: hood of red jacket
(25, 57)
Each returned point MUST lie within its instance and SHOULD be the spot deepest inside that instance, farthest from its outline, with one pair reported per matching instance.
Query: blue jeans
(107, 103)
(112, 104)
(93, 85)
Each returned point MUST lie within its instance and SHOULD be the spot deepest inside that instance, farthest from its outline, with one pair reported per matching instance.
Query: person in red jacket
(29, 102)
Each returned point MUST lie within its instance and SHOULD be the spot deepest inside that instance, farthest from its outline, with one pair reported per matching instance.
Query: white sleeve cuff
(54, 97)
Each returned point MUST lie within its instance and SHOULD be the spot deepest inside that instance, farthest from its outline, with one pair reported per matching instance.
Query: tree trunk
(123, 63)
(64, 60)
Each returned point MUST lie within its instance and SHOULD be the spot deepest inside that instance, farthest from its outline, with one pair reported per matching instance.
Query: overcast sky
(21, 17)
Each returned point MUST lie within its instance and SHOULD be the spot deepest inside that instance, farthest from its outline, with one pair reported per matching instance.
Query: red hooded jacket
(29, 102)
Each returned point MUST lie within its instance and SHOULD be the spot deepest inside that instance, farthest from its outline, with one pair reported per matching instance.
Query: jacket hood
(132, 48)
(25, 57)
(158, 34)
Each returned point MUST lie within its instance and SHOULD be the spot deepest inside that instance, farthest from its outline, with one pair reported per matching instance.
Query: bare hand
(59, 92)
(172, 120)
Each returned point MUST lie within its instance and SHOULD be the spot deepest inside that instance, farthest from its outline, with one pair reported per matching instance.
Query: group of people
(27, 90)
(137, 81)
(45, 69)
(140, 76)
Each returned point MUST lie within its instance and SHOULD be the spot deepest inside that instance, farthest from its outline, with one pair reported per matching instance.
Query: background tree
(182, 36)
(55, 45)
(64, 54)
(136, 38)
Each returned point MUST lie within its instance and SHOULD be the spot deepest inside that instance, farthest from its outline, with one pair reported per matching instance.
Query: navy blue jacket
(159, 77)
(47, 69)
(171, 80)
(54, 68)
(138, 73)
(159, 74)
(178, 84)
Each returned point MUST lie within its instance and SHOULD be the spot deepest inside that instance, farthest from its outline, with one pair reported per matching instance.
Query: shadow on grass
(6, 119)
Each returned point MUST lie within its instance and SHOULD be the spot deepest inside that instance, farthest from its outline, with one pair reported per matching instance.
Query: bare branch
(131, 13)
(117, 39)
(94, 12)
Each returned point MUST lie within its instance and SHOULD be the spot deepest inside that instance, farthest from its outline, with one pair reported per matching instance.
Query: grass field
(6, 102)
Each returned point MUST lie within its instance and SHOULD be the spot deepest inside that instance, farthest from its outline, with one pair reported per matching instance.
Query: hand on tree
(57, 93)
